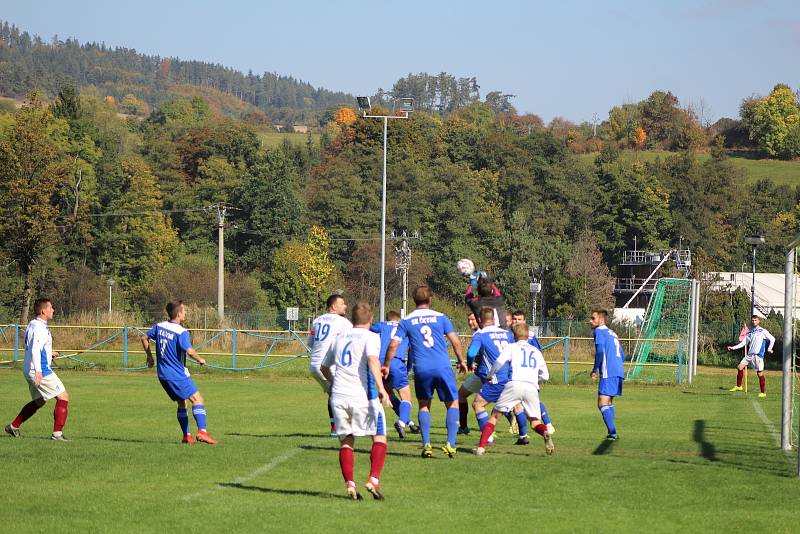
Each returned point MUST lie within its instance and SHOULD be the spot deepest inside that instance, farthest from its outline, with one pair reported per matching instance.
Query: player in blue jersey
(427, 332)
(519, 317)
(486, 345)
(756, 341)
(470, 386)
(398, 374)
(173, 344)
(609, 360)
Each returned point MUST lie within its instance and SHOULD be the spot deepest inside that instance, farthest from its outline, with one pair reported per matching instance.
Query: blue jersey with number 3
(609, 357)
(425, 331)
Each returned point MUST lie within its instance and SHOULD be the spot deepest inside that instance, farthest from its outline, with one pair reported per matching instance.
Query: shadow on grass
(268, 436)
(707, 449)
(605, 447)
(130, 440)
(301, 493)
(363, 451)
(721, 393)
(782, 470)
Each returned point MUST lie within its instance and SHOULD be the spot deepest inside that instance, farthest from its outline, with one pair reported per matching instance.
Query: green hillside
(779, 171)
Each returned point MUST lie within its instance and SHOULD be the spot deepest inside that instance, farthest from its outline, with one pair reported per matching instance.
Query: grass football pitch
(690, 458)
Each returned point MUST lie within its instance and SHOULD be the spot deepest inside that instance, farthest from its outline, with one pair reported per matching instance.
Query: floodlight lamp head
(755, 240)
(363, 103)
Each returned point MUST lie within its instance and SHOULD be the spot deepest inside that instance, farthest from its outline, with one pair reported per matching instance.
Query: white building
(769, 288)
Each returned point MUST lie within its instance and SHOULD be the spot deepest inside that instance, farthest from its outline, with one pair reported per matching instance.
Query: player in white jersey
(756, 341)
(527, 367)
(324, 331)
(43, 383)
(355, 397)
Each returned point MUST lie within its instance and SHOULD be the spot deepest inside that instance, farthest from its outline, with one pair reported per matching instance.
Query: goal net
(661, 352)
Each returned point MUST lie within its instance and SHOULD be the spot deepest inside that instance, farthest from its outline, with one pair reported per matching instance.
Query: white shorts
(49, 387)
(524, 393)
(473, 384)
(753, 361)
(317, 374)
(359, 417)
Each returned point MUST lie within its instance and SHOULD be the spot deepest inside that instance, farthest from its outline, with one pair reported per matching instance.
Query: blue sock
(425, 425)
(404, 412)
(183, 420)
(396, 405)
(522, 423)
(451, 420)
(482, 418)
(608, 418)
(545, 415)
(199, 413)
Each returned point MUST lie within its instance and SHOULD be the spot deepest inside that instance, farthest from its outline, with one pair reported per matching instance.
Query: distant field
(779, 171)
(273, 139)
(690, 459)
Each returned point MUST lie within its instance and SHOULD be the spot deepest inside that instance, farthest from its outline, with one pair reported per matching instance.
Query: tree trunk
(26, 300)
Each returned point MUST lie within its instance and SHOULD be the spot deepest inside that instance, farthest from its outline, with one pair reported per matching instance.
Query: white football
(465, 266)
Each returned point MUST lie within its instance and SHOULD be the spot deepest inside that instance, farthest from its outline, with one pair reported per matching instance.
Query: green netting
(660, 349)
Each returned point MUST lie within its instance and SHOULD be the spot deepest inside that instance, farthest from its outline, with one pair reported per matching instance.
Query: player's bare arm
(374, 366)
(146, 346)
(390, 352)
(456, 343)
(193, 354)
(326, 372)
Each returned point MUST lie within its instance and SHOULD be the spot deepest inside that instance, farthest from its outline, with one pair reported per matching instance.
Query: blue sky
(569, 58)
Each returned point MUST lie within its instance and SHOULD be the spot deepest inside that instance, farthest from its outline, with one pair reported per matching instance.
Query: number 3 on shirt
(427, 334)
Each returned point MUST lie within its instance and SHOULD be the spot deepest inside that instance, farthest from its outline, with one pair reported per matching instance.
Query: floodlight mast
(406, 107)
(754, 241)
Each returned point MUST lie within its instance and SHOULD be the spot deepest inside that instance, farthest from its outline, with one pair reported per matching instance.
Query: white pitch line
(266, 468)
(767, 423)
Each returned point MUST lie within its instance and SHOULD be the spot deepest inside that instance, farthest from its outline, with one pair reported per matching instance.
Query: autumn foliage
(345, 116)
(639, 137)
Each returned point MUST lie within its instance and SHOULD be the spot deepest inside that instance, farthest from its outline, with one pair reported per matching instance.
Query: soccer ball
(465, 266)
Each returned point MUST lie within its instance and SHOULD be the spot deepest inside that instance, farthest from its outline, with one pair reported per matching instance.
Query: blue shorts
(491, 392)
(180, 389)
(440, 380)
(611, 386)
(398, 375)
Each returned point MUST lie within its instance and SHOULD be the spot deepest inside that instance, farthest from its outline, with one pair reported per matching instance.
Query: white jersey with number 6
(349, 353)
(324, 331)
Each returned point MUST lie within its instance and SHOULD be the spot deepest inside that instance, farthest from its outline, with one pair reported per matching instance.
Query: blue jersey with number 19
(609, 357)
(425, 331)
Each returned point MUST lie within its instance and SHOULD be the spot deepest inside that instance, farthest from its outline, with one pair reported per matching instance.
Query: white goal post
(788, 348)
